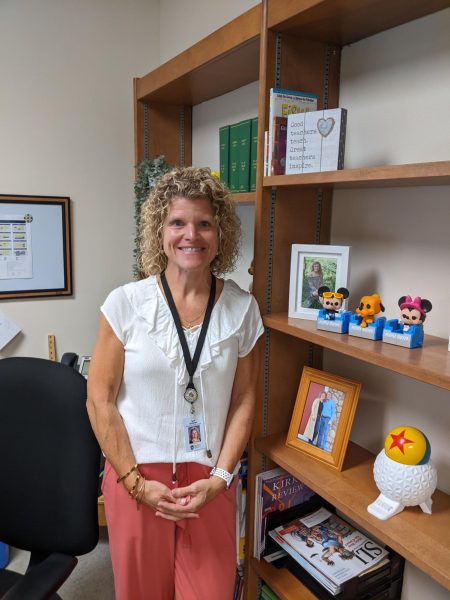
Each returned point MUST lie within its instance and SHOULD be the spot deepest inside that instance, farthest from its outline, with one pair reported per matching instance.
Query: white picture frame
(306, 277)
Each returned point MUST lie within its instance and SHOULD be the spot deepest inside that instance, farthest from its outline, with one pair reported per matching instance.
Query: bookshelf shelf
(430, 364)
(223, 61)
(415, 535)
(415, 174)
(346, 21)
(281, 581)
(245, 198)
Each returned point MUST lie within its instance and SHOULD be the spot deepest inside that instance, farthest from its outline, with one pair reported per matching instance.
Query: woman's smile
(190, 237)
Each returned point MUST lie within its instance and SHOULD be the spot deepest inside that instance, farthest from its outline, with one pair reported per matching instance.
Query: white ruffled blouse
(150, 398)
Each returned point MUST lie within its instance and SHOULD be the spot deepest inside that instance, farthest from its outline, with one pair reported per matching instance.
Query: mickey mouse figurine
(413, 312)
(332, 301)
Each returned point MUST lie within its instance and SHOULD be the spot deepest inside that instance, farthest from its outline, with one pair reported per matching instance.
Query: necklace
(188, 324)
(190, 394)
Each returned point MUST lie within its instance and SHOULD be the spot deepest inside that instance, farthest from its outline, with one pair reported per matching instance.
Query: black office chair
(49, 466)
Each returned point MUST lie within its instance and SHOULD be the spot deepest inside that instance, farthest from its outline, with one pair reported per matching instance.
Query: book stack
(237, 155)
(275, 490)
(283, 103)
(316, 141)
(238, 586)
(329, 549)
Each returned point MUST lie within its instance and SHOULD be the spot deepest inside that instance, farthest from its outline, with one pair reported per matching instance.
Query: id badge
(194, 434)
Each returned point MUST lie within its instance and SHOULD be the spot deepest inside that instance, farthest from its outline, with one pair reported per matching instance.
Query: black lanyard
(190, 394)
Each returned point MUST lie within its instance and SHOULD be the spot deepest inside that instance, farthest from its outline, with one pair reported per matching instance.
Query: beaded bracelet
(119, 479)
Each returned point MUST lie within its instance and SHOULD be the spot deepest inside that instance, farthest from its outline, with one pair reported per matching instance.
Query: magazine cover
(275, 490)
(309, 568)
(331, 545)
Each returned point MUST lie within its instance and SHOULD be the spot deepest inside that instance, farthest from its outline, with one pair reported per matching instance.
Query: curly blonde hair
(191, 183)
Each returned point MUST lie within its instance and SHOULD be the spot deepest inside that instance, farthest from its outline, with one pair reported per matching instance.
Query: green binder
(224, 153)
(245, 131)
(253, 150)
(233, 182)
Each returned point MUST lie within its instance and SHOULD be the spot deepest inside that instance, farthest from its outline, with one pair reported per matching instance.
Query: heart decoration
(325, 126)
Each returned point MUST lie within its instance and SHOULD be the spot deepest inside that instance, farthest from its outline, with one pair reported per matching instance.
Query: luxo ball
(404, 473)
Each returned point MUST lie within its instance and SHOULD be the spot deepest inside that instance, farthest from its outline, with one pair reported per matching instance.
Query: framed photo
(35, 252)
(323, 416)
(312, 266)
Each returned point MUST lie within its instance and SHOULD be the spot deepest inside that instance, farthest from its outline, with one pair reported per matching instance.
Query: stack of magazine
(329, 549)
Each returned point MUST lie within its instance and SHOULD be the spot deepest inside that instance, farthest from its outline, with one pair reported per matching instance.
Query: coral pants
(157, 559)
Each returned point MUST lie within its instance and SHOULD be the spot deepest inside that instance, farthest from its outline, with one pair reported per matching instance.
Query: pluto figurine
(404, 473)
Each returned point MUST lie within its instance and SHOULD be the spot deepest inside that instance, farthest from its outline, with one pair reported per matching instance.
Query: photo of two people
(320, 417)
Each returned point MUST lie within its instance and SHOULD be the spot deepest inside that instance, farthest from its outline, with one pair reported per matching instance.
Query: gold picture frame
(323, 416)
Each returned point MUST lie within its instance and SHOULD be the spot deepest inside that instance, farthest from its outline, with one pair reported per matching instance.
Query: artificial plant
(148, 172)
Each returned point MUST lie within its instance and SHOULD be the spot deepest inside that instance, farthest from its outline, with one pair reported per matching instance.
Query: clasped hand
(180, 503)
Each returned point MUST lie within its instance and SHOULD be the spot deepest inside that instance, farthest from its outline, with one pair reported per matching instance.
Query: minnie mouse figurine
(414, 312)
(408, 330)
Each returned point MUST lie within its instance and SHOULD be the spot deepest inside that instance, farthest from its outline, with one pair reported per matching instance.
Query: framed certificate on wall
(35, 247)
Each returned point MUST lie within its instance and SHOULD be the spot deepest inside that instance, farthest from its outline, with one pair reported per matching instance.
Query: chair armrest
(44, 579)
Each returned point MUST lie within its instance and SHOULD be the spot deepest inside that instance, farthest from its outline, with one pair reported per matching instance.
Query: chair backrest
(49, 459)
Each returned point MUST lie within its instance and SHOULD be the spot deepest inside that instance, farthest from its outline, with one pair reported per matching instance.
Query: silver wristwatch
(227, 477)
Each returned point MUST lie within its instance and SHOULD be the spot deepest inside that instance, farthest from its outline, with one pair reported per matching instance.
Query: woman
(174, 351)
(312, 424)
(194, 435)
(315, 280)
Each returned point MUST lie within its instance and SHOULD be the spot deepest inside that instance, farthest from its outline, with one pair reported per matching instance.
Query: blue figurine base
(373, 331)
(394, 333)
(337, 323)
(4, 555)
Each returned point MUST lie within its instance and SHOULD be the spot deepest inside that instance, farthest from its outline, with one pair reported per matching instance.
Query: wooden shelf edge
(281, 581)
(413, 534)
(412, 174)
(346, 22)
(245, 198)
(216, 48)
(430, 364)
(101, 512)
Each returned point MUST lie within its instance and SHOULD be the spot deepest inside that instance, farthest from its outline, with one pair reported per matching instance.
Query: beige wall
(66, 128)
(185, 22)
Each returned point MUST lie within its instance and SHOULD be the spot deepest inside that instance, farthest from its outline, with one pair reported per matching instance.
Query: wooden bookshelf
(346, 21)
(281, 581)
(430, 364)
(414, 174)
(310, 34)
(413, 534)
